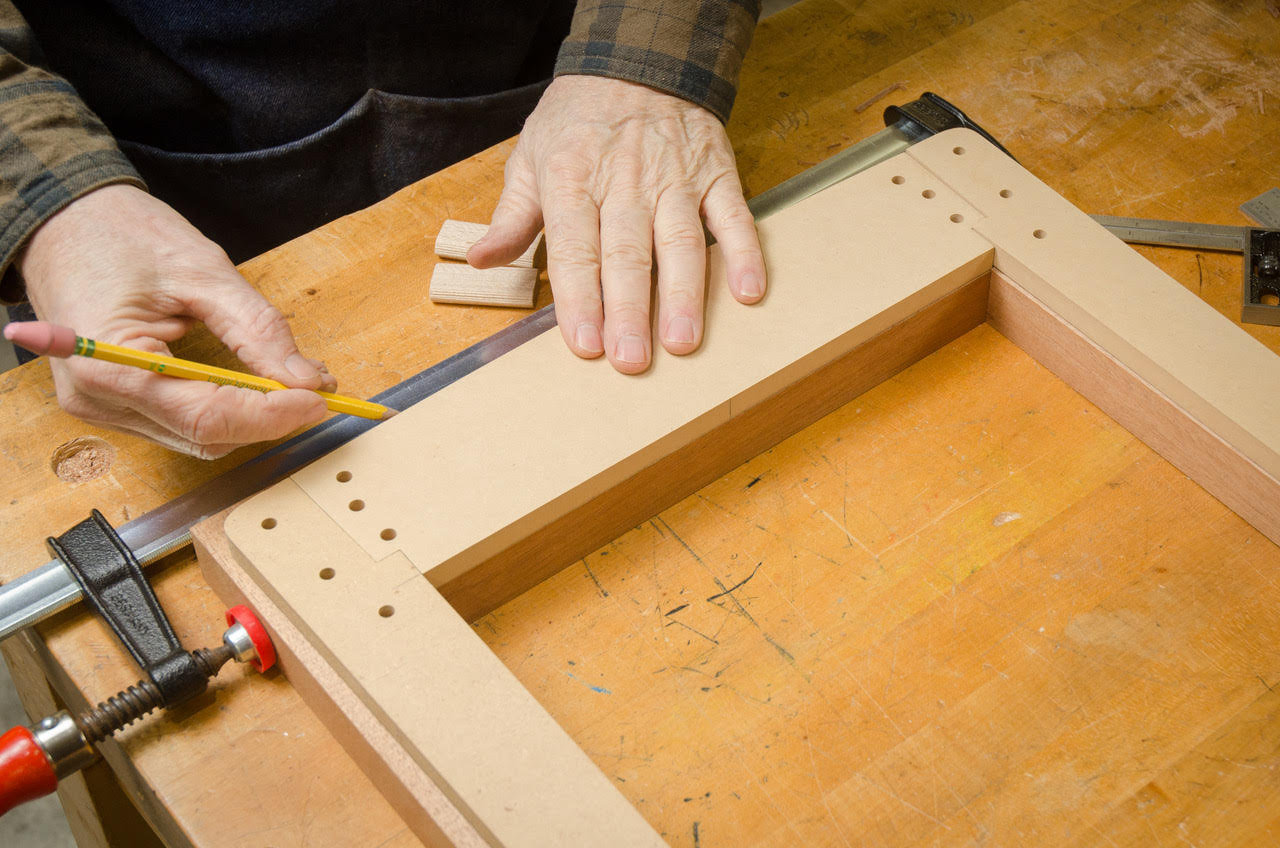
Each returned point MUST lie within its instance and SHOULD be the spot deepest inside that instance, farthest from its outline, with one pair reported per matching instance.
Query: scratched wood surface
(967, 603)
(1145, 706)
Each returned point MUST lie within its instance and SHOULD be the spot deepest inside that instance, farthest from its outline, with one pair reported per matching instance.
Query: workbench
(965, 606)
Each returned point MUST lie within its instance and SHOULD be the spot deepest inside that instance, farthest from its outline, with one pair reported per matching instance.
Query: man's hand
(622, 176)
(119, 266)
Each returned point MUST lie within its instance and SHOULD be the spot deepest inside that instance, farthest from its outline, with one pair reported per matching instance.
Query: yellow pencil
(44, 338)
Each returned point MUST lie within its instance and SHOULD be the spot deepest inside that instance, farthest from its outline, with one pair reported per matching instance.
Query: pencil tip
(390, 413)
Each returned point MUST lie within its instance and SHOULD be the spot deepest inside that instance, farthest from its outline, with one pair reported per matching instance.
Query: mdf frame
(460, 749)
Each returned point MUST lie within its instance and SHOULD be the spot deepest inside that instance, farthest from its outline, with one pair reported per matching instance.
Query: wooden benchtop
(968, 536)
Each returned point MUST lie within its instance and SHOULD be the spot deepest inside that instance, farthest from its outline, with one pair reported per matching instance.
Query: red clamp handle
(244, 616)
(25, 770)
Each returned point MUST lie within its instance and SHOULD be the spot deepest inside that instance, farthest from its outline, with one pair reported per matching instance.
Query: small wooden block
(456, 237)
(453, 282)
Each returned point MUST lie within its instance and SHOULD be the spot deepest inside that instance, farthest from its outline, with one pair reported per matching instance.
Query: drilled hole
(268, 524)
(1004, 192)
(327, 573)
(959, 151)
(343, 477)
(82, 459)
(356, 505)
(899, 180)
(957, 218)
(386, 610)
(388, 534)
(928, 194)
(1040, 234)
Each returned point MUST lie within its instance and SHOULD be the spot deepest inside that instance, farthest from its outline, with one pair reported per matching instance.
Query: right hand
(122, 267)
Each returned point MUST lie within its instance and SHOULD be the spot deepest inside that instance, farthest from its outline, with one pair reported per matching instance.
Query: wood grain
(453, 282)
(457, 237)
(1138, 406)
(823, 310)
(546, 551)
(966, 605)
(1157, 108)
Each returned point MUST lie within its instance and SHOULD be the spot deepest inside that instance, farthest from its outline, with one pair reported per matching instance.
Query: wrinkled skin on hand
(121, 267)
(622, 176)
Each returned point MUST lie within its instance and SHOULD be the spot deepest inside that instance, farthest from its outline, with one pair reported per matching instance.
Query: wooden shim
(456, 238)
(459, 283)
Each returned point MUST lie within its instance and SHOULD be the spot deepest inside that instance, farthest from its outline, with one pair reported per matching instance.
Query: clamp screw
(245, 640)
(1269, 266)
(133, 703)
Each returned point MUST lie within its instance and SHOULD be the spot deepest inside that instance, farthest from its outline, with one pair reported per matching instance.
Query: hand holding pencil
(122, 267)
(45, 339)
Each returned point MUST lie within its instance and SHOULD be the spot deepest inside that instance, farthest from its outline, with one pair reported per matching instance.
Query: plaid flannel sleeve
(690, 48)
(52, 148)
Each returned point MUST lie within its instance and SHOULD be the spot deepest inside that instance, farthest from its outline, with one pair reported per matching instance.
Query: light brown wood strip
(546, 551)
(1137, 405)
(415, 795)
(457, 237)
(453, 282)
(1136, 313)
(429, 680)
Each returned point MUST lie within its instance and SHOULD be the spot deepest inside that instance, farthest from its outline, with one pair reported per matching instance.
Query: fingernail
(680, 330)
(750, 285)
(630, 349)
(588, 338)
(299, 367)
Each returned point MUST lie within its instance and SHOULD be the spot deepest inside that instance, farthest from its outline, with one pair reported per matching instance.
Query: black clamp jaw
(113, 584)
(929, 115)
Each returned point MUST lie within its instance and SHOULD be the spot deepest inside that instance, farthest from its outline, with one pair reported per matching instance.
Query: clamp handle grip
(25, 770)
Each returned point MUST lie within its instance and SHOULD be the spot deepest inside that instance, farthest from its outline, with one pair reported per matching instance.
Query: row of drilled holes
(386, 610)
(356, 505)
(957, 218)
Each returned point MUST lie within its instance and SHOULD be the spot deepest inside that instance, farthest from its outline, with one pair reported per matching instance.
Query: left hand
(622, 175)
